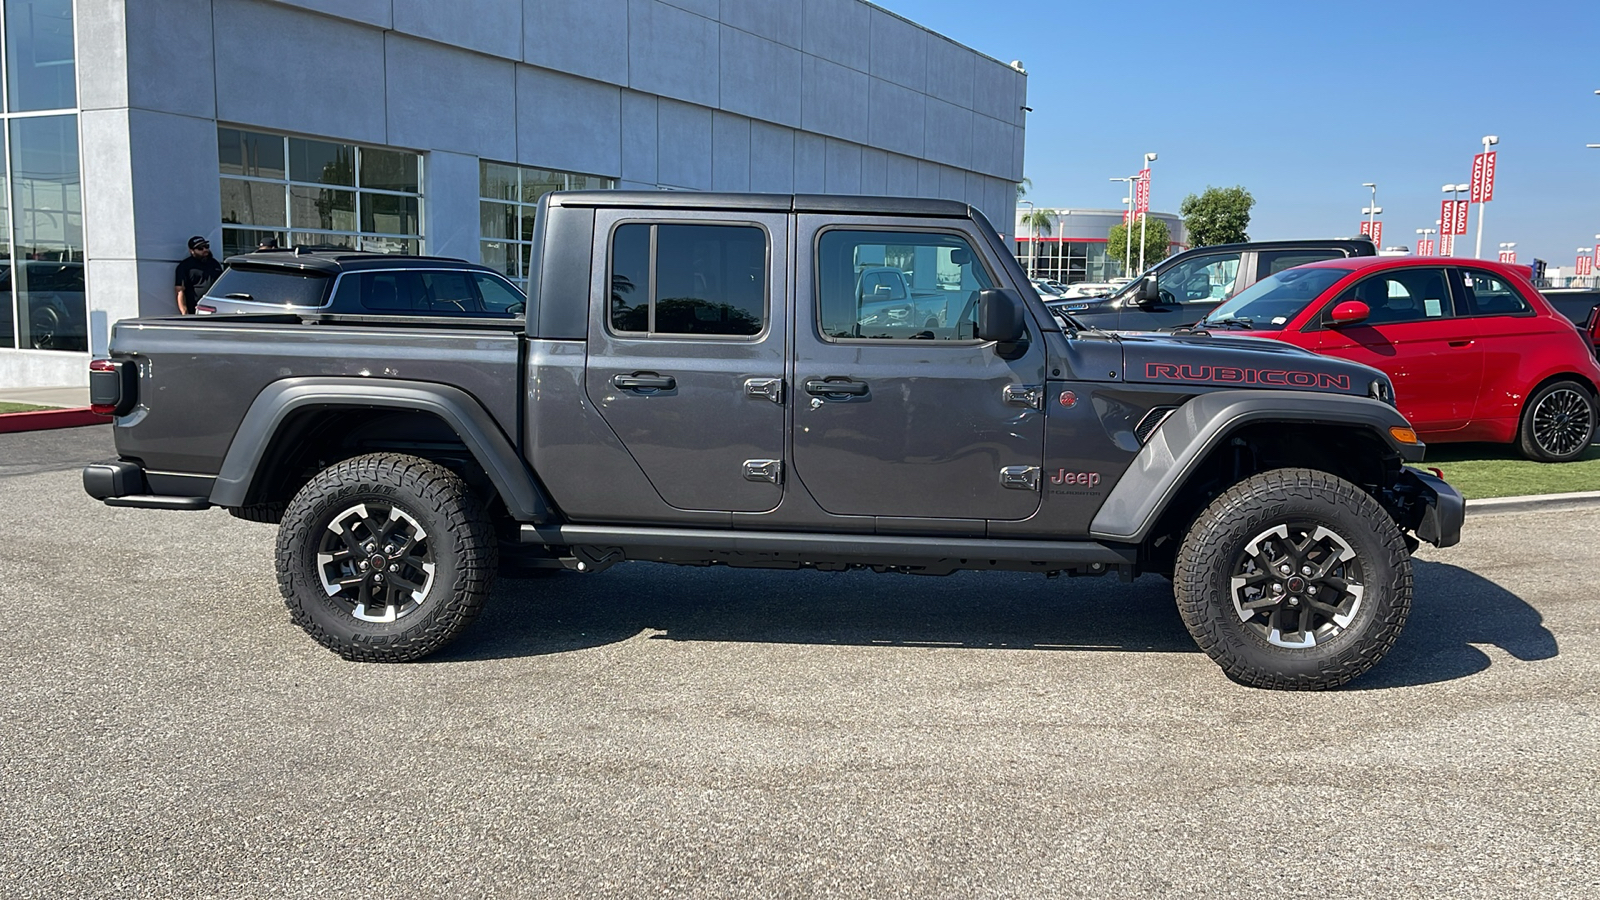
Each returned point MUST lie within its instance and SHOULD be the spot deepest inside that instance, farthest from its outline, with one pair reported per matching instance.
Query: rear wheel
(1294, 579)
(1558, 422)
(385, 557)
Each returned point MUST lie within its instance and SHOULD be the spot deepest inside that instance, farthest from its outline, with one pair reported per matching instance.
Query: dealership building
(1073, 248)
(415, 126)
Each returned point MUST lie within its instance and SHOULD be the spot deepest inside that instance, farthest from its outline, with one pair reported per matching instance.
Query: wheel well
(311, 440)
(1357, 455)
(1583, 382)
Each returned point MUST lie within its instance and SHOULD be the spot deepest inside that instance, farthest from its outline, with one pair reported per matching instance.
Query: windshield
(286, 287)
(1274, 301)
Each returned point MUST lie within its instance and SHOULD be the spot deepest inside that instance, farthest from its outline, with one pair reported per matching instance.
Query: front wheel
(1294, 579)
(385, 557)
(1558, 423)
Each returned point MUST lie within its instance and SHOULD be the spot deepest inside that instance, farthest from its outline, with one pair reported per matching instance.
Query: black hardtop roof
(333, 262)
(1286, 245)
(797, 203)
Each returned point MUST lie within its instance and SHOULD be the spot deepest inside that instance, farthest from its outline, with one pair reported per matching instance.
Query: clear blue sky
(1301, 103)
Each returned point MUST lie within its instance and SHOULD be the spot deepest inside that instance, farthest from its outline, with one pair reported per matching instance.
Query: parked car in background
(56, 310)
(1187, 286)
(1088, 289)
(1579, 305)
(1047, 289)
(1474, 351)
(355, 283)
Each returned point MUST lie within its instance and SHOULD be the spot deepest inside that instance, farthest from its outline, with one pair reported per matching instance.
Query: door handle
(644, 382)
(1466, 343)
(823, 388)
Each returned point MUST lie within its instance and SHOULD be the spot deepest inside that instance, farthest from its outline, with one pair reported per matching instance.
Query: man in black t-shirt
(196, 274)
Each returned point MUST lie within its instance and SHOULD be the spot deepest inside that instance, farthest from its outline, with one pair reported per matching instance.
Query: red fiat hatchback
(1475, 353)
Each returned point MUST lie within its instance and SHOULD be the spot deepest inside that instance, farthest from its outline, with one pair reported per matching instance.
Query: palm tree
(1038, 221)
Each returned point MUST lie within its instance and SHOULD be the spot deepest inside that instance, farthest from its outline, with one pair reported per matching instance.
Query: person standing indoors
(196, 274)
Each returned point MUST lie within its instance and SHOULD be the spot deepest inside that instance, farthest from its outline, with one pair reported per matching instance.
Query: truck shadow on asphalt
(1453, 610)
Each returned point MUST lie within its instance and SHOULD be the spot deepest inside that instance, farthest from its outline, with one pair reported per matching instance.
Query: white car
(1047, 291)
(1090, 289)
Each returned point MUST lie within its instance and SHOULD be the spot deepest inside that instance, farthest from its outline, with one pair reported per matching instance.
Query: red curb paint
(41, 419)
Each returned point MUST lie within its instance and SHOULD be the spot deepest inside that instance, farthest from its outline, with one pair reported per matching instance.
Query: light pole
(1127, 264)
(1454, 190)
(1148, 159)
(1029, 221)
(1371, 212)
(1424, 243)
(1489, 140)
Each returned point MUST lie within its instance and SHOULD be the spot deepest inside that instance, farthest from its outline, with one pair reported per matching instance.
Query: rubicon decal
(1238, 375)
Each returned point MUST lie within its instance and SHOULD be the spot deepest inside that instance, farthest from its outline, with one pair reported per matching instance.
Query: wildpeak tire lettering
(1240, 375)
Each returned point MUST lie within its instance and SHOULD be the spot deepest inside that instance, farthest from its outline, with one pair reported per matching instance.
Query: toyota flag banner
(1483, 177)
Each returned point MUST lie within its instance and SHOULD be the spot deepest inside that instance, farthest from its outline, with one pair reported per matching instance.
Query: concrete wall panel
(995, 90)
(710, 9)
(672, 52)
(948, 134)
(760, 78)
(810, 163)
(950, 71)
(176, 192)
(114, 295)
(843, 174)
(771, 158)
(899, 51)
(901, 176)
(730, 152)
(487, 26)
(953, 183)
(834, 100)
(928, 178)
(154, 29)
(639, 137)
(874, 171)
(102, 53)
(992, 143)
(775, 20)
(278, 72)
(452, 205)
(897, 118)
(370, 12)
(587, 37)
(429, 86)
(105, 157)
(684, 154)
(839, 31)
(568, 123)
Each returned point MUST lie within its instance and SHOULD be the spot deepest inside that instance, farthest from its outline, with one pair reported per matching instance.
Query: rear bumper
(1436, 509)
(123, 483)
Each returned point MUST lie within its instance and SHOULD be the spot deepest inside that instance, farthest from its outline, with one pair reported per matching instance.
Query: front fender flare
(458, 409)
(1196, 428)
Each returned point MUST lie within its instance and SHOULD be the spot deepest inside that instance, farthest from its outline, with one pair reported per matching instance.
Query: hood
(1238, 361)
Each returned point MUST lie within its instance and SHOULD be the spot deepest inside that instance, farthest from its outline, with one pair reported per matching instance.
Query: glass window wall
(508, 195)
(301, 191)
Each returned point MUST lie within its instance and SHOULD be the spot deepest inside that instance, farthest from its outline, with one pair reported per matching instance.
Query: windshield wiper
(1244, 322)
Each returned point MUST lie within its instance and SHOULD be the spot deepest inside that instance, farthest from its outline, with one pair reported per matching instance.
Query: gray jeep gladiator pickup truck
(693, 382)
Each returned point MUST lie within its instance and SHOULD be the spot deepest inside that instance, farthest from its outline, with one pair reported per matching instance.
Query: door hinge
(1019, 478)
(770, 388)
(1030, 395)
(768, 470)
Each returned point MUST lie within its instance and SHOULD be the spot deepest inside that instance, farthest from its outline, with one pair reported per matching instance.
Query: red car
(1475, 353)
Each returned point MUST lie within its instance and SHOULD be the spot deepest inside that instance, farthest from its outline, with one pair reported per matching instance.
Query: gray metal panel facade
(836, 96)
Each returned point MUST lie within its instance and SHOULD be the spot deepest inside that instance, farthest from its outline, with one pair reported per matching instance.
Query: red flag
(1461, 217)
(1366, 227)
(1377, 233)
(1488, 177)
(1477, 179)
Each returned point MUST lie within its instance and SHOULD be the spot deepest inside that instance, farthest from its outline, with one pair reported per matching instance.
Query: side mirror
(1149, 291)
(1000, 317)
(1349, 312)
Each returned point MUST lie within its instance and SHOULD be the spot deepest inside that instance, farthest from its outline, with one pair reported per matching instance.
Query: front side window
(1404, 295)
(1202, 280)
(898, 285)
(688, 280)
(1491, 295)
(306, 192)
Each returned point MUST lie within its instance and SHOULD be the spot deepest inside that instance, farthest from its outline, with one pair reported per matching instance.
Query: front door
(1186, 293)
(1414, 335)
(687, 331)
(909, 415)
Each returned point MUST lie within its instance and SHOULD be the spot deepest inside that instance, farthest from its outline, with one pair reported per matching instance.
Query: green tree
(1036, 222)
(1023, 187)
(1157, 243)
(1218, 216)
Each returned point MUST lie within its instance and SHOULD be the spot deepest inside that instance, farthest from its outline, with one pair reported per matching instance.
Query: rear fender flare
(1188, 435)
(459, 410)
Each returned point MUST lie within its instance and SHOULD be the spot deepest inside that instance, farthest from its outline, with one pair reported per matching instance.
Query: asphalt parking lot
(653, 731)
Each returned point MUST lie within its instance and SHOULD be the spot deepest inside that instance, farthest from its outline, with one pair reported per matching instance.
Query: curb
(1534, 503)
(41, 419)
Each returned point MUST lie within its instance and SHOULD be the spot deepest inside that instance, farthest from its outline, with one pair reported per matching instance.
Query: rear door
(687, 333)
(910, 419)
(1415, 336)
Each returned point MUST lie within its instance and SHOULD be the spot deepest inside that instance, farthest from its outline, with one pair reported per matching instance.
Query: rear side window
(427, 292)
(1271, 262)
(1491, 295)
(282, 287)
(689, 280)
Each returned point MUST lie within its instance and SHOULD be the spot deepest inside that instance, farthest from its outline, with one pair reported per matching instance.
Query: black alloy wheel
(1559, 423)
(1297, 585)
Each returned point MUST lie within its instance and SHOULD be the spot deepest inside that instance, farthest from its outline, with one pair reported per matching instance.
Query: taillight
(112, 388)
(204, 310)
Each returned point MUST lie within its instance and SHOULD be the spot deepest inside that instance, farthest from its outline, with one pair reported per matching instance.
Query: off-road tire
(1558, 423)
(266, 513)
(1215, 552)
(460, 546)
